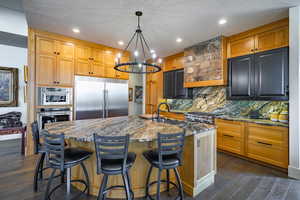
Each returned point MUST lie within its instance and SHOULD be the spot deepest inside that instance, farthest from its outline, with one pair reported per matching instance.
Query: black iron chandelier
(147, 62)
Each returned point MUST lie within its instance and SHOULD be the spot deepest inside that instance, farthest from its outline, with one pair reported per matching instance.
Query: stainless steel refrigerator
(100, 97)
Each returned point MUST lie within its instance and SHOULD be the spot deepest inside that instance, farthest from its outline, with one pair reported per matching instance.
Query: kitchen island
(199, 157)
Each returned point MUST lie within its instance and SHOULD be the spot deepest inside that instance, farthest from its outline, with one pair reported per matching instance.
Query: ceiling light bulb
(140, 65)
(178, 40)
(121, 43)
(76, 30)
(119, 55)
(222, 21)
(136, 53)
(154, 56)
(152, 51)
(159, 60)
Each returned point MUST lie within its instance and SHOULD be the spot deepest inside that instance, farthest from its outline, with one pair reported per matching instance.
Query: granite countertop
(241, 118)
(139, 129)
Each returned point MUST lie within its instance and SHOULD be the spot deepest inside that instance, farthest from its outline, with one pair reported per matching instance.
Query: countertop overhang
(140, 130)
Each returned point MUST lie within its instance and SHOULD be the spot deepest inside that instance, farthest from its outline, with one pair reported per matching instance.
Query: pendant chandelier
(144, 59)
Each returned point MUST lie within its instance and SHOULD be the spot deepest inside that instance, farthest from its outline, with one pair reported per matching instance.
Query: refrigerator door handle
(106, 102)
(103, 105)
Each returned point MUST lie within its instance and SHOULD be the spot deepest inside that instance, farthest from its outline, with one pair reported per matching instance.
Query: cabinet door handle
(54, 52)
(268, 144)
(57, 53)
(228, 135)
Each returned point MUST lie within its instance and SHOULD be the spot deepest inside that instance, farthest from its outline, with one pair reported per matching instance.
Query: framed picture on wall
(138, 93)
(130, 94)
(8, 87)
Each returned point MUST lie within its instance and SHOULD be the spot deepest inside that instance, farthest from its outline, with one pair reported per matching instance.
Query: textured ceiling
(107, 22)
(12, 4)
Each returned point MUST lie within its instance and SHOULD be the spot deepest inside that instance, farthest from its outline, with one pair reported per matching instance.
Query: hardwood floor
(236, 179)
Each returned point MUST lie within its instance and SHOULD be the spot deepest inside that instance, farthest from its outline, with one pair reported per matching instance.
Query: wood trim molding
(205, 83)
(30, 91)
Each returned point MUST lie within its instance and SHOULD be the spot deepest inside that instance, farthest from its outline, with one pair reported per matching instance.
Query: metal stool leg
(168, 180)
(158, 185)
(179, 183)
(130, 186)
(68, 182)
(49, 184)
(147, 182)
(126, 184)
(62, 177)
(102, 187)
(86, 177)
(42, 165)
(38, 169)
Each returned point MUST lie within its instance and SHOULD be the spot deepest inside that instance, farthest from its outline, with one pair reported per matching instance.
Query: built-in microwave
(54, 96)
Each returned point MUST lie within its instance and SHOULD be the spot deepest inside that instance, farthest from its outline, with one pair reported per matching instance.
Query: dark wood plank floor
(236, 179)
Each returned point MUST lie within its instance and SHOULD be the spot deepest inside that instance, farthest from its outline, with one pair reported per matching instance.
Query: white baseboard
(204, 182)
(294, 172)
(10, 137)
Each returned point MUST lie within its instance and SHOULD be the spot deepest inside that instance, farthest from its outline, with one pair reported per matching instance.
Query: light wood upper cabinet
(97, 69)
(267, 37)
(55, 62)
(83, 53)
(174, 62)
(272, 39)
(241, 47)
(82, 67)
(97, 62)
(65, 64)
(65, 71)
(45, 70)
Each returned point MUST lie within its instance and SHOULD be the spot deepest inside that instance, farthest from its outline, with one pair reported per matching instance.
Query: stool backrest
(111, 148)
(170, 144)
(55, 148)
(35, 136)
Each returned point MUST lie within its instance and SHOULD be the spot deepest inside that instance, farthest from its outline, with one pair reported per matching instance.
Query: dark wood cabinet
(261, 76)
(271, 75)
(241, 77)
(173, 86)
(169, 89)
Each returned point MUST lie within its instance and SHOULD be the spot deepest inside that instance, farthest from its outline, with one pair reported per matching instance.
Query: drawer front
(268, 153)
(232, 143)
(274, 136)
(230, 128)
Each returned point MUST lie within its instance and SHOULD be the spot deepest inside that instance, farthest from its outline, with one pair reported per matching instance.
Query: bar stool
(59, 158)
(113, 158)
(167, 156)
(39, 148)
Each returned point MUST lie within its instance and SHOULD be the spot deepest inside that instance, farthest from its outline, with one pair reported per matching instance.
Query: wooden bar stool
(168, 156)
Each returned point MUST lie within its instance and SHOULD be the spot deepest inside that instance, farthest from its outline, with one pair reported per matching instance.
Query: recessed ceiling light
(178, 40)
(76, 30)
(121, 43)
(222, 21)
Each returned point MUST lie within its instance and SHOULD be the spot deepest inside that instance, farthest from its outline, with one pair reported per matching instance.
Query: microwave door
(89, 93)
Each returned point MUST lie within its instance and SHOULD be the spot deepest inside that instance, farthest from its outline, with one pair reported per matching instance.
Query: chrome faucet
(158, 110)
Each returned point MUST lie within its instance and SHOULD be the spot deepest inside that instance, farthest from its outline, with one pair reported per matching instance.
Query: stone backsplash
(213, 100)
